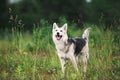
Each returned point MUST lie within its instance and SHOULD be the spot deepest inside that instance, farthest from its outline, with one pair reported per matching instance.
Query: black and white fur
(70, 48)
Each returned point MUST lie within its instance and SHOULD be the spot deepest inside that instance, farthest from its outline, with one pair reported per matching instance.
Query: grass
(32, 56)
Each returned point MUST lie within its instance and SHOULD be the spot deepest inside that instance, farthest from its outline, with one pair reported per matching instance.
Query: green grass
(32, 56)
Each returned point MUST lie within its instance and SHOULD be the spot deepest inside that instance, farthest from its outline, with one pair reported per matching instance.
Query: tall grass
(32, 56)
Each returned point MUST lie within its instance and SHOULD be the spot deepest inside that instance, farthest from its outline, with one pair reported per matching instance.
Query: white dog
(70, 48)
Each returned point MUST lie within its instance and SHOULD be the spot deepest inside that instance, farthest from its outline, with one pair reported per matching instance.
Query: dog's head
(59, 33)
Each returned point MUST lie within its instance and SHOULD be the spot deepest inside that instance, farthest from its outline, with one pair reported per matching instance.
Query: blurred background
(105, 12)
(27, 51)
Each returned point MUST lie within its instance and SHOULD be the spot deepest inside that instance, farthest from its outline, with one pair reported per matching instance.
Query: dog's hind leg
(77, 59)
(85, 62)
(87, 55)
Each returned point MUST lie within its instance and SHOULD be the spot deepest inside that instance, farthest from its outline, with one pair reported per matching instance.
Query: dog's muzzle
(58, 36)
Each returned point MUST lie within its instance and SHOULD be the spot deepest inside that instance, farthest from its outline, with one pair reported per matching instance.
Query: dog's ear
(55, 25)
(64, 27)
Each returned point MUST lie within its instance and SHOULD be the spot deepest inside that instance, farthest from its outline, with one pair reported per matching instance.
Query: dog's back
(79, 43)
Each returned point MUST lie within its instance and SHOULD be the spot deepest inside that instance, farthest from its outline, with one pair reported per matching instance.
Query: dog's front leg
(63, 62)
(73, 60)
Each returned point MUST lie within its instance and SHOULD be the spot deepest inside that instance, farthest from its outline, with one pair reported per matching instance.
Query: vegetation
(76, 11)
(27, 51)
(32, 56)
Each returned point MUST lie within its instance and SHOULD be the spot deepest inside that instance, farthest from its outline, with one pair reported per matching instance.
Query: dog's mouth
(58, 37)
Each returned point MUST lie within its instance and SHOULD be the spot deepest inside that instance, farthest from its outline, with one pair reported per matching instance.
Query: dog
(70, 48)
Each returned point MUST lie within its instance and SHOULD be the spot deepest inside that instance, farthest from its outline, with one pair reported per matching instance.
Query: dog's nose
(58, 33)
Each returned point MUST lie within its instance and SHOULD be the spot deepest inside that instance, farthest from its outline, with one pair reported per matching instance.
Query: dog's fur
(70, 48)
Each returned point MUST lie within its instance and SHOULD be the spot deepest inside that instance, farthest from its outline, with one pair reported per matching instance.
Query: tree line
(75, 11)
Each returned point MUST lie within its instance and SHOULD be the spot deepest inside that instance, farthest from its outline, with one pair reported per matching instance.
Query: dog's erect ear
(55, 26)
(64, 27)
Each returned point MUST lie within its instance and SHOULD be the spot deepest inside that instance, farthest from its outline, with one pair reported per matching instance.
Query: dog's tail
(86, 34)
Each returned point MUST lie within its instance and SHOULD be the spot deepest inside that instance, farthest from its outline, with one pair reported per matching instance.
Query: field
(32, 55)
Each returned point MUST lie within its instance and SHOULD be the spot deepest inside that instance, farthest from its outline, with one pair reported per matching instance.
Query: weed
(33, 56)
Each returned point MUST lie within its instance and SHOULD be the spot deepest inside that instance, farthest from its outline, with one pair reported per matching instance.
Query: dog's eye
(55, 30)
(60, 30)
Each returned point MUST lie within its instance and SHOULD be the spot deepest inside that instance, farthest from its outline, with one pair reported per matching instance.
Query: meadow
(32, 55)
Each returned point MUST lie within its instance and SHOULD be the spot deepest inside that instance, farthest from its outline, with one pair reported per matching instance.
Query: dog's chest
(61, 47)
